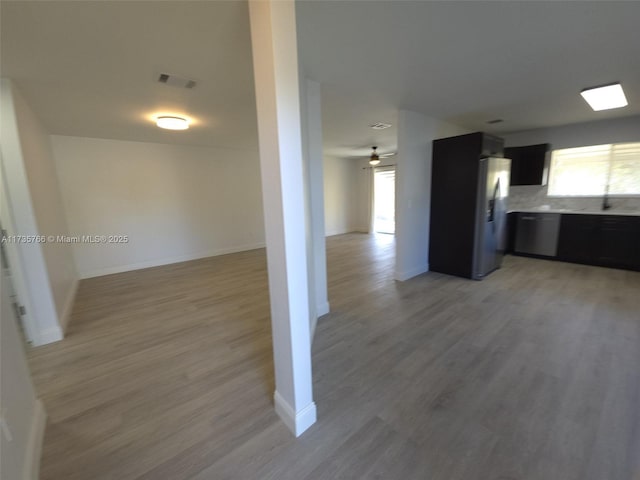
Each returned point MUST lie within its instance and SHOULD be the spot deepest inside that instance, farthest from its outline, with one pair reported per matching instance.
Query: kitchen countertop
(634, 213)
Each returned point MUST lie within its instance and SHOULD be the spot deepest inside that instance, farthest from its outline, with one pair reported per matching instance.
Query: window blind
(587, 171)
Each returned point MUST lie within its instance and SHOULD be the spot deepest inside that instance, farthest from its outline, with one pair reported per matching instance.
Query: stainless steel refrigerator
(491, 215)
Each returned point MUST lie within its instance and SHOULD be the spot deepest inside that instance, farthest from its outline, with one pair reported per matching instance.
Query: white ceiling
(471, 62)
(90, 68)
(347, 114)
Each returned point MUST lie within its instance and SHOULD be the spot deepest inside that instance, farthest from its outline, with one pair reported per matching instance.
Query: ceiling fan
(374, 158)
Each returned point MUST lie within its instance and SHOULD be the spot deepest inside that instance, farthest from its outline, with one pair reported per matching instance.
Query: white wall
(341, 199)
(174, 202)
(416, 133)
(22, 417)
(47, 206)
(619, 130)
(31, 192)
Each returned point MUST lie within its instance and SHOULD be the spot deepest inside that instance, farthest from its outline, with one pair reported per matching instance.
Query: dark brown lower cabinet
(577, 241)
(620, 239)
(604, 240)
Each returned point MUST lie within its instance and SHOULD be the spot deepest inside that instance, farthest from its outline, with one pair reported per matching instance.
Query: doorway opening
(384, 200)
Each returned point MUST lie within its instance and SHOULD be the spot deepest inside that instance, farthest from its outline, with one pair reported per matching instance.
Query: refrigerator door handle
(491, 211)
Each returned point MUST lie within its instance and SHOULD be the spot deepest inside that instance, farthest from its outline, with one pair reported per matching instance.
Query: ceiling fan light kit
(374, 159)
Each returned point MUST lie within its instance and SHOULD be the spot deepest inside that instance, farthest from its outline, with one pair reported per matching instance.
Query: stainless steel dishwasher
(537, 234)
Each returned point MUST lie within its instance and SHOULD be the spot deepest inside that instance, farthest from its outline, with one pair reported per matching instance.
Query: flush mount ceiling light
(172, 122)
(374, 159)
(605, 97)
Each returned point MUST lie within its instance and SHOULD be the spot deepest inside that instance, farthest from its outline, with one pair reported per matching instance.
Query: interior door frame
(374, 170)
(13, 253)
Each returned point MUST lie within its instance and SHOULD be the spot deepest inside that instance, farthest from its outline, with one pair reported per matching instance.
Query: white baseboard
(401, 276)
(99, 272)
(332, 233)
(322, 309)
(49, 335)
(34, 445)
(297, 422)
(68, 305)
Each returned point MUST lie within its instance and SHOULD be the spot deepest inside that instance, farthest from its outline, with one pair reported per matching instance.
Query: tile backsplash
(535, 196)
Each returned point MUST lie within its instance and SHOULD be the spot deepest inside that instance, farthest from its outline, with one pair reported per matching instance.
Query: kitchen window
(596, 170)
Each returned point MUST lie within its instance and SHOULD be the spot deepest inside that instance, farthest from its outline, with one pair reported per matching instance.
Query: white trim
(34, 444)
(332, 233)
(42, 320)
(68, 305)
(297, 422)
(168, 260)
(49, 335)
(16, 265)
(407, 274)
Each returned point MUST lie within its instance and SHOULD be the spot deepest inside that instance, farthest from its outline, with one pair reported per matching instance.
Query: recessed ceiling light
(172, 122)
(605, 97)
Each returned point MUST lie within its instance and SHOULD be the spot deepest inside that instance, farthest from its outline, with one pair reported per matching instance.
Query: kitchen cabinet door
(492, 146)
(620, 242)
(579, 240)
(529, 164)
(604, 240)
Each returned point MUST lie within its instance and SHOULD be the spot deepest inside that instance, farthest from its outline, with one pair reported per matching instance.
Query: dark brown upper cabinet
(529, 164)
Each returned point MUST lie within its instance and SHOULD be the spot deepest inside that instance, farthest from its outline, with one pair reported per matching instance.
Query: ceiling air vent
(380, 126)
(497, 120)
(176, 81)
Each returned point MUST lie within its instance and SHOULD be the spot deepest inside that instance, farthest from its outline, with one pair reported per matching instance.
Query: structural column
(275, 63)
(315, 165)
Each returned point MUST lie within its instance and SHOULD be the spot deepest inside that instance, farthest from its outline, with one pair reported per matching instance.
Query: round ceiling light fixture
(172, 122)
(374, 159)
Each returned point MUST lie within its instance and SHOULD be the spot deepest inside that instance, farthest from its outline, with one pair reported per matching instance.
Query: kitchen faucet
(605, 200)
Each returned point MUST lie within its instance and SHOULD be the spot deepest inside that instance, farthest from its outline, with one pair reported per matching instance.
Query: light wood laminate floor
(531, 374)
